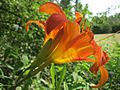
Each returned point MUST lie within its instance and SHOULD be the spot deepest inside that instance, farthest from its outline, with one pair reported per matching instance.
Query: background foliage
(104, 24)
(18, 48)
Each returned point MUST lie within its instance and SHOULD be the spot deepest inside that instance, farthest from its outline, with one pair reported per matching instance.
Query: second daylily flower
(65, 43)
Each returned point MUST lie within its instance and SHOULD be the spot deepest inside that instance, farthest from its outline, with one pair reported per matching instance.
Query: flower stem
(32, 73)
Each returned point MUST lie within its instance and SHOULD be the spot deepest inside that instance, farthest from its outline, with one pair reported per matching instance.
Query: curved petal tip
(51, 8)
(103, 79)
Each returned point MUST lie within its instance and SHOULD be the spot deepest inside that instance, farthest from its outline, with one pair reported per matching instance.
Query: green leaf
(1, 72)
(52, 72)
(9, 66)
(62, 76)
(75, 76)
(25, 59)
(6, 53)
(65, 86)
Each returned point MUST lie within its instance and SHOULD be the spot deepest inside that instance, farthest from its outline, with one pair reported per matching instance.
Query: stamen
(83, 25)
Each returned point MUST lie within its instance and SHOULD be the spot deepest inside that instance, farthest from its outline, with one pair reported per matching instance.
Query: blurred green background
(18, 48)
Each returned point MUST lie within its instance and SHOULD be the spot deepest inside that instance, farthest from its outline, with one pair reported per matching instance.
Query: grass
(110, 40)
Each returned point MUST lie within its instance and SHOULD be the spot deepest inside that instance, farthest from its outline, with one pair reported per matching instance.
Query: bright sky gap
(97, 6)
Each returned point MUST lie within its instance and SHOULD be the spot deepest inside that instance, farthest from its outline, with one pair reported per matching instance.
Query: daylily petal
(90, 60)
(54, 32)
(105, 58)
(54, 44)
(51, 8)
(85, 51)
(101, 58)
(73, 55)
(78, 17)
(71, 30)
(57, 39)
(65, 60)
(53, 21)
(81, 40)
(39, 23)
(103, 79)
(94, 68)
(79, 49)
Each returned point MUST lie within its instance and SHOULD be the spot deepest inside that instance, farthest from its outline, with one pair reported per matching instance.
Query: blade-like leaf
(52, 72)
(62, 76)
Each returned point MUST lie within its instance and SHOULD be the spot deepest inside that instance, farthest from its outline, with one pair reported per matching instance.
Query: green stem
(33, 72)
(45, 64)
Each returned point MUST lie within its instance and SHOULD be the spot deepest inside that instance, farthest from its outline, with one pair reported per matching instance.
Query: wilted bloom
(64, 42)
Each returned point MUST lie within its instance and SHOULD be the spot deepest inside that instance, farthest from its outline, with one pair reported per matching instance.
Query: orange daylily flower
(78, 17)
(65, 43)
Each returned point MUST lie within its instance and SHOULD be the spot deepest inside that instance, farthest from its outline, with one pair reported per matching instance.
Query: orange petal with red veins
(51, 8)
(78, 17)
(53, 21)
(54, 32)
(94, 68)
(71, 31)
(81, 40)
(98, 52)
(90, 60)
(103, 79)
(39, 23)
(105, 58)
(99, 55)
(57, 38)
(81, 54)
(85, 51)
(55, 42)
